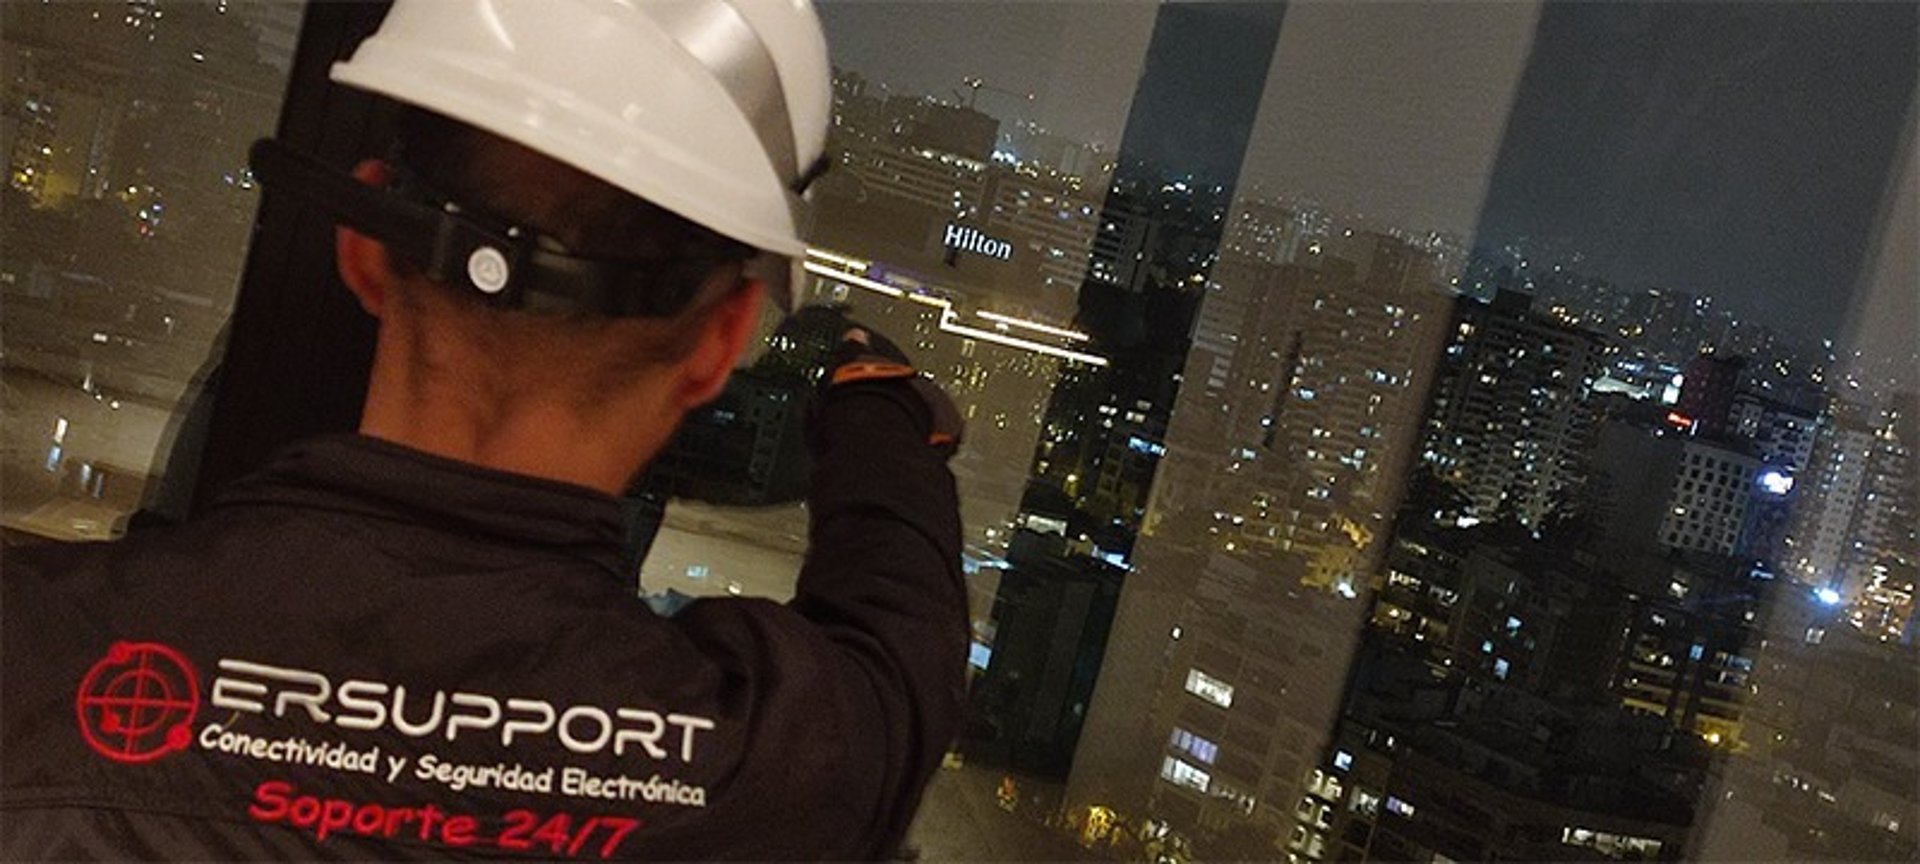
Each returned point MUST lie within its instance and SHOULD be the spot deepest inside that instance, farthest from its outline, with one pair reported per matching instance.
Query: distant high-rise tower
(1782, 434)
(1298, 413)
(1707, 392)
(1099, 451)
(1510, 422)
(1829, 529)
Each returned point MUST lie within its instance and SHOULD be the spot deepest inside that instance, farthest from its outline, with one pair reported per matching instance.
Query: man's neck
(600, 444)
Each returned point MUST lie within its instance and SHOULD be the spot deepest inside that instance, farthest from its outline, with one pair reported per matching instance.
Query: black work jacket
(367, 652)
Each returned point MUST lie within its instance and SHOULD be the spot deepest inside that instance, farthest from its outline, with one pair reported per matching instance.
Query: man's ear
(363, 262)
(723, 338)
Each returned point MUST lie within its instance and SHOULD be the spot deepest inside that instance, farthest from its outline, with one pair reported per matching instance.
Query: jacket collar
(368, 477)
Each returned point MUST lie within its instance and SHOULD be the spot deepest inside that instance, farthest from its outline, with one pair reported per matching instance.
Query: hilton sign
(963, 239)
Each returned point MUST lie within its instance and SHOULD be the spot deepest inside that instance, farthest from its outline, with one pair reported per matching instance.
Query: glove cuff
(869, 368)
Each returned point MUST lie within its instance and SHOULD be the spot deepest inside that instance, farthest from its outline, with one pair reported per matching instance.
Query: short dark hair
(611, 224)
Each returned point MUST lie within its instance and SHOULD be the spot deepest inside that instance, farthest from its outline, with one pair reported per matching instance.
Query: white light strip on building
(836, 258)
(883, 288)
(947, 325)
(849, 278)
(947, 317)
(1011, 321)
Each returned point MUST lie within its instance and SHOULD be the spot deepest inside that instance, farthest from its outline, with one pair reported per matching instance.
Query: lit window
(1181, 773)
(1209, 688)
(1202, 749)
(1326, 786)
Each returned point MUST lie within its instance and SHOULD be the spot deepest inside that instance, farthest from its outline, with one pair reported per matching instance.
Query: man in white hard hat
(418, 641)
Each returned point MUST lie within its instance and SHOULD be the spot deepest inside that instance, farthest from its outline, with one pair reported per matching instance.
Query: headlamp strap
(505, 265)
(488, 262)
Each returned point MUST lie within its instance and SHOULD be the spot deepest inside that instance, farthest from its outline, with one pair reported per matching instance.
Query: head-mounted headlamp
(508, 265)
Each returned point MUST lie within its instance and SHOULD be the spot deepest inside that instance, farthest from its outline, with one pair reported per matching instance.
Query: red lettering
(458, 831)
(522, 829)
(621, 826)
(395, 818)
(304, 812)
(335, 814)
(429, 815)
(580, 837)
(519, 825)
(272, 796)
(368, 819)
(554, 832)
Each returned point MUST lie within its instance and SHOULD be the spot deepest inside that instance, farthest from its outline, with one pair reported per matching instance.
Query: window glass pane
(128, 206)
(1520, 418)
(1209, 688)
(971, 156)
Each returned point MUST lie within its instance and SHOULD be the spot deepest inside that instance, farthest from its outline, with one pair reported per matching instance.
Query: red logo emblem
(137, 703)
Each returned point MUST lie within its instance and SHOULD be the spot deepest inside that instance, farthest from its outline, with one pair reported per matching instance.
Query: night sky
(1744, 151)
(1741, 151)
(1081, 60)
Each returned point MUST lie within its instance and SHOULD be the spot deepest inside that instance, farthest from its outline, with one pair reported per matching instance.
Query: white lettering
(225, 697)
(311, 701)
(688, 723)
(973, 240)
(650, 739)
(577, 745)
(576, 782)
(400, 713)
(291, 750)
(544, 709)
(500, 775)
(350, 699)
(473, 700)
(373, 705)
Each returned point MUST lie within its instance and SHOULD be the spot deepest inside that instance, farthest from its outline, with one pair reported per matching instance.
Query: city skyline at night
(1495, 436)
(1270, 513)
(1625, 170)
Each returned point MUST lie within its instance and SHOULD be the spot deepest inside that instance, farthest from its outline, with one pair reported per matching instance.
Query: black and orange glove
(864, 355)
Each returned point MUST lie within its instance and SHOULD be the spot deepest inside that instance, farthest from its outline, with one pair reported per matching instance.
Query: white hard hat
(715, 110)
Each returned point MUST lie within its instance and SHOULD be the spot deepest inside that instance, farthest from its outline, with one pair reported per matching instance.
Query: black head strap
(506, 264)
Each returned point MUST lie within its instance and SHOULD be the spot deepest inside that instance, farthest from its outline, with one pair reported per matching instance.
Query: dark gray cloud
(1742, 151)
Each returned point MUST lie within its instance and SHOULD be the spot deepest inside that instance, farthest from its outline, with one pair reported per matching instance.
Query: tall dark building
(1050, 618)
(1297, 415)
(958, 131)
(1511, 422)
(1100, 446)
(1485, 716)
(1707, 392)
(1656, 487)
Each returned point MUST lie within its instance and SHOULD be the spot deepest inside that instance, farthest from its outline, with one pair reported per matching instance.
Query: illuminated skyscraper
(1830, 536)
(1510, 423)
(1297, 416)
